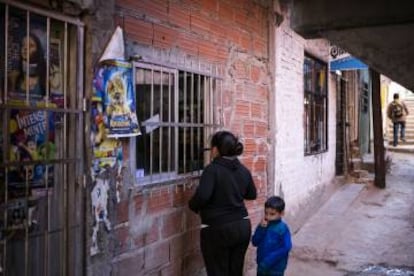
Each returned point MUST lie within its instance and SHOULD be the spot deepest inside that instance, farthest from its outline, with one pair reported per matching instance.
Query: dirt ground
(361, 230)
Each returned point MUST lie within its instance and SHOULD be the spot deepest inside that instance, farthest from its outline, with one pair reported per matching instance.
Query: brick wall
(302, 180)
(154, 231)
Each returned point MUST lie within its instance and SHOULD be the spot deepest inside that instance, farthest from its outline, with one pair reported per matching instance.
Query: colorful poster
(114, 89)
(31, 140)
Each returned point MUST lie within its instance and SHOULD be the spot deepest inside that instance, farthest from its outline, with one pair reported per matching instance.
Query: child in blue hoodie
(272, 239)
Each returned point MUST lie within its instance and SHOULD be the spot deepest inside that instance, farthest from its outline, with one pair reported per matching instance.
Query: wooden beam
(378, 133)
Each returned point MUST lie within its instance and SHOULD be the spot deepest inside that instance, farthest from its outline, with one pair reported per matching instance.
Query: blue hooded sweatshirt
(273, 245)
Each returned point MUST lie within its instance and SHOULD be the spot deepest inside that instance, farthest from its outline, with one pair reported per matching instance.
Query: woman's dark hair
(226, 143)
(275, 202)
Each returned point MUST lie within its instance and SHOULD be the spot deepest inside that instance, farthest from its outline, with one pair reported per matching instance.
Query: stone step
(401, 148)
(407, 130)
(407, 142)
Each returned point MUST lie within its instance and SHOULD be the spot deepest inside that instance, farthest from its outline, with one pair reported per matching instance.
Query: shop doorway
(41, 142)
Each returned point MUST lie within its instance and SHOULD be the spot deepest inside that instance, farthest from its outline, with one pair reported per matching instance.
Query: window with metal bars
(315, 105)
(178, 111)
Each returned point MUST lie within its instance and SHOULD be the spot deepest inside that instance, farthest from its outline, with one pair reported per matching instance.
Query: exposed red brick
(159, 200)
(218, 30)
(262, 148)
(173, 269)
(157, 255)
(249, 145)
(127, 265)
(191, 241)
(164, 37)
(260, 165)
(241, 70)
(226, 12)
(138, 30)
(255, 73)
(241, 17)
(209, 6)
(122, 239)
(138, 203)
(193, 264)
(200, 24)
(179, 16)
(245, 42)
(259, 47)
(148, 236)
(172, 224)
(187, 43)
(257, 110)
(177, 245)
(122, 211)
(261, 129)
(155, 8)
(248, 129)
(242, 108)
(248, 162)
(207, 49)
(192, 219)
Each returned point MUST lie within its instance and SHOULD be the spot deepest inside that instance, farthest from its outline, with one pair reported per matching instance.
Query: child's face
(272, 214)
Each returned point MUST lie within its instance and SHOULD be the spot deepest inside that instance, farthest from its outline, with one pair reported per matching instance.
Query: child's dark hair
(396, 96)
(226, 143)
(275, 202)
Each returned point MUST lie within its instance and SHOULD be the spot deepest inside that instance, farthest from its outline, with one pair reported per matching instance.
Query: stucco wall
(301, 180)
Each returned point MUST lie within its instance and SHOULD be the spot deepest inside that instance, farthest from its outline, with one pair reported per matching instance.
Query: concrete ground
(361, 230)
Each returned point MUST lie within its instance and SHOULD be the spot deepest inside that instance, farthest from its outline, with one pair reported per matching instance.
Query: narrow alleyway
(361, 230)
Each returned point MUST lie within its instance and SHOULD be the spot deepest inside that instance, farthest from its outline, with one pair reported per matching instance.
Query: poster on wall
(31, 132)
(114, 90)
(27, 60)
(31, 140)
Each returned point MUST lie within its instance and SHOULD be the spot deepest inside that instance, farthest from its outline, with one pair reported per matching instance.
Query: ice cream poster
(32, 138)
(113, 87)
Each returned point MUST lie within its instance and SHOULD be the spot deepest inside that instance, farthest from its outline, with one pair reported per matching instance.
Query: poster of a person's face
(31, 132)
(26, 57)
(27, 61)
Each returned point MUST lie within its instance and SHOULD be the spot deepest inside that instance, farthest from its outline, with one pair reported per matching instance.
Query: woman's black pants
(224, 247)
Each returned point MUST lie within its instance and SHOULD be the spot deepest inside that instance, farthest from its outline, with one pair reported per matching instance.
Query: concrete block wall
(301, 180)
(154, 231)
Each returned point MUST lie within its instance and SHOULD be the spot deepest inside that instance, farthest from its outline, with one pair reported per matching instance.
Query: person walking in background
(272, 239)
(397, 112)
(219, 200)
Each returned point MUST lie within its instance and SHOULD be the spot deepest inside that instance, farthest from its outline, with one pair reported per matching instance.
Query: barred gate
(41, 142)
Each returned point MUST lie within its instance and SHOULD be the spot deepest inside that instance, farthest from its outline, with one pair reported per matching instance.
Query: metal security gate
(41, 142)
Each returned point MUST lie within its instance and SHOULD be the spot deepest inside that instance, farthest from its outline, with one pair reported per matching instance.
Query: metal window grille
(178, 111)
(315, 105)
(41, 149)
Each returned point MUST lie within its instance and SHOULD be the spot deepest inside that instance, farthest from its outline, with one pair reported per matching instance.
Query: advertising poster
(31, 139)
(114, 90)
(31, 133)
(27, 63)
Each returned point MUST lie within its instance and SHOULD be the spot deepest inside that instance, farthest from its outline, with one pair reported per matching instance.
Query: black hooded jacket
(224, 185)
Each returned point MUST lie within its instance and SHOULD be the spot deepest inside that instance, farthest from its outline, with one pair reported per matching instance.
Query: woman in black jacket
(219, 200)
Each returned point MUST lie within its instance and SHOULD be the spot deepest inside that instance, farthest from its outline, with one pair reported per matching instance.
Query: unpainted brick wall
(154, 231)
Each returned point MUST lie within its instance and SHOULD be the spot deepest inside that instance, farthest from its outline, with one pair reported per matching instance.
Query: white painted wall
(299, 177)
